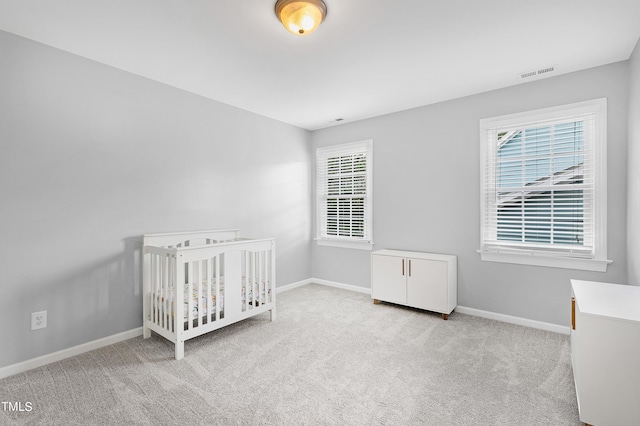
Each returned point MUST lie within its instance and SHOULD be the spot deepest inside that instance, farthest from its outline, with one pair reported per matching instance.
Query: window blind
(539, 187)
(343, 190)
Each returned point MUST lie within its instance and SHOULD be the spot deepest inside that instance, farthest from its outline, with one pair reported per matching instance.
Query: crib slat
(247, 279)
(165, 282)
(153, 274)
(272, 277)
(160, 291)
(265, 274)
(161, 297)
(265, 278)
(251, 282)
(199, 286)
(260, 276)
(253, 278)
(153, 284)
(162, 276)
(246, 275)
(157, 268)
(244, 278)
(218, 302)
(169, 291)
(163, 290)
(189, 295)
(209, 283)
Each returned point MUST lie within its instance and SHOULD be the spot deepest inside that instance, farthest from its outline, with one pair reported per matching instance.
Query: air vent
(545, 70)
(536, 73)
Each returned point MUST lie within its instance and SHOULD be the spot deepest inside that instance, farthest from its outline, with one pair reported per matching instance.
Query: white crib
(197, 282)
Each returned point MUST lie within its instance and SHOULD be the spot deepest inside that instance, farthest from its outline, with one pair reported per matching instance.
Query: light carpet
(332, 357)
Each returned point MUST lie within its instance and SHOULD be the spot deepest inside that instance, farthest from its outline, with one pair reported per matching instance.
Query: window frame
(365, 243)
(596, 259)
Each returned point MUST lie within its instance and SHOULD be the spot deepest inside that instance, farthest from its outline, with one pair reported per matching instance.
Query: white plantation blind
(541, 189)
(344, 191)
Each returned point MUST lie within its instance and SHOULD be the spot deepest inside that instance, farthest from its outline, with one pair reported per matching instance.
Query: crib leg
(146, 332)
(273, 314)
(179, 350)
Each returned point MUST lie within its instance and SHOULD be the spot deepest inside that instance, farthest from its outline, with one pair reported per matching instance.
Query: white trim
(513, 320)
(342, 148)
(535, 259)
(342, 286)
(359, 245)
(293, 286)
(327, 283)
(40, 361)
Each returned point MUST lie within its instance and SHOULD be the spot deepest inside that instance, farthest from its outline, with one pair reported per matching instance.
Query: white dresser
(605, 352)
(420, 280)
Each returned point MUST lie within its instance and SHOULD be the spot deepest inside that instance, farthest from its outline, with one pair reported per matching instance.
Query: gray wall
(633, 215)
(426, 192)
(92, 157)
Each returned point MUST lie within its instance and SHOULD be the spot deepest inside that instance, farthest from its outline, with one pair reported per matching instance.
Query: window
(543, 187)
(343, 196)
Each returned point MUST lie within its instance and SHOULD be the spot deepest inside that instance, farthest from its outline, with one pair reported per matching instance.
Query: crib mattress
(201, 300)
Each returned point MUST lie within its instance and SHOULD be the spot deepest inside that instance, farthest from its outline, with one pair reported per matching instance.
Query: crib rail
(194, 253)
(175, 239)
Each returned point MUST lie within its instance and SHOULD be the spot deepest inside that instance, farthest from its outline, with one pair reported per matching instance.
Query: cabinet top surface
(415, 255)
(616, 301)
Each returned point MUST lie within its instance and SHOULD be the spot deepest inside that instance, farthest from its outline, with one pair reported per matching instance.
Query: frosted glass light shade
(301, 17)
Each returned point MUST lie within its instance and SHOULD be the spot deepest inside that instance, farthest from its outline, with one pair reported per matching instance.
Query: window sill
(595, 265)
(358, 245)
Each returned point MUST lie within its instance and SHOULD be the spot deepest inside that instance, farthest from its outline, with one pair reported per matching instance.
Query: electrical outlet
(38, 320)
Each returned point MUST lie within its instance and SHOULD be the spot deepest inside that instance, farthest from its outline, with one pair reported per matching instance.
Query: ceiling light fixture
(301, 17)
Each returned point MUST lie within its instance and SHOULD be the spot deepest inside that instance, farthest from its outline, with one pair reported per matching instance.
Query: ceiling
(369, 57)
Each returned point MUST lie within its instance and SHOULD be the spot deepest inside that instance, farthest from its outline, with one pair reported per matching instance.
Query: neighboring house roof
(569, 176)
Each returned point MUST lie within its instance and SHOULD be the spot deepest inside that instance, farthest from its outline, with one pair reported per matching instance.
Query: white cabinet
(605, 352)
(420, 280)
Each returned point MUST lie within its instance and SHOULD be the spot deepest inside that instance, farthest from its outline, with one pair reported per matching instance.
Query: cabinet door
(388, 279)
(608, 371)
(428, 285)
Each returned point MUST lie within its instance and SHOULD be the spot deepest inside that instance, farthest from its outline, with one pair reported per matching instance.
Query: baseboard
(514, 320)
(292, 286)
(40, 361)
(341, 285)
(323, 282)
